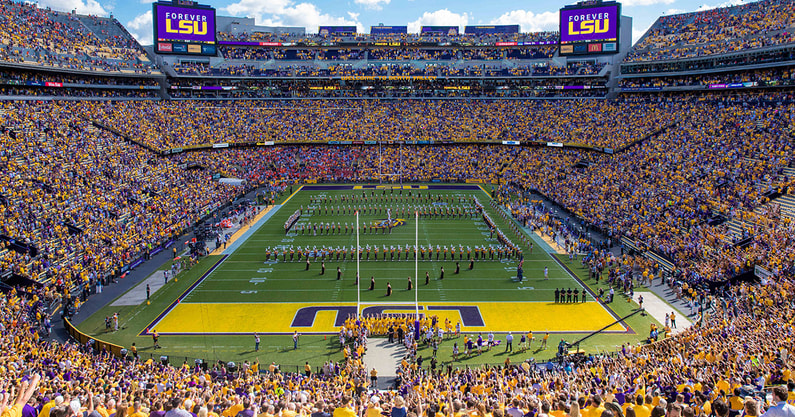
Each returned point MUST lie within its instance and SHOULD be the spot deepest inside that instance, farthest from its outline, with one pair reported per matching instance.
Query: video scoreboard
(184, 28)
(590, 28)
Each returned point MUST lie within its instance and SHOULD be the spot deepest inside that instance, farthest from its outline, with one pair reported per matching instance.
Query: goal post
(416, 302)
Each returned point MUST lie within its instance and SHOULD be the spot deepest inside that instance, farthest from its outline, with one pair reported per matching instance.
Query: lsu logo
(305, 317)
(186, 24)
(385, 223)
(587, 27)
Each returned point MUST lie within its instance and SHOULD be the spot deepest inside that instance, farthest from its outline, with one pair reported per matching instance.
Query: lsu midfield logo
(305, 317)
(387, 223)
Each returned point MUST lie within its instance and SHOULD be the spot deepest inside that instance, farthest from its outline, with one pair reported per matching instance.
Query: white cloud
(631, 3)
(529, 21)
(141, 28)
(724, 4)
(670, 12)
(372, 4)
(287, 13)
(81, 6)
(439, 18)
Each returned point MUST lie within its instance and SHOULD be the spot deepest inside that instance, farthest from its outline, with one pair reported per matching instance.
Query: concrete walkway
(385, 357)
(663, 291)
(658, 308)
(137, 295)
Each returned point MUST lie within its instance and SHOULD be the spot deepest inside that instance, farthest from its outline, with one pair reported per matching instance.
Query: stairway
(787, 203)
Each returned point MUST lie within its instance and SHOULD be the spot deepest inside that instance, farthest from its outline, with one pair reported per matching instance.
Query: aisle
(385, 358)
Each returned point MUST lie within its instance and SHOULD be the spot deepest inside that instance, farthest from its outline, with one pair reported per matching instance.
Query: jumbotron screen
(588, 30)
(184, 30)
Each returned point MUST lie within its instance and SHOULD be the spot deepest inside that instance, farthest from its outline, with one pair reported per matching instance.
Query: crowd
(661, 192)
(164, 125)
(85, 203)
(90, 202)
(720, 368)
(720, 30)
(758, 78)
(378, 64)
(45, 37)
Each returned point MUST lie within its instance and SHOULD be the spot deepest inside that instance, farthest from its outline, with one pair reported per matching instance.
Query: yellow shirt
(343, 412)
(596, 411)
(45, 410)
(736, 403)
(16, 410)
(233, 410)
(373, 412)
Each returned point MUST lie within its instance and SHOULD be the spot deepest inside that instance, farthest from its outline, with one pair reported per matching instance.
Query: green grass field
(247, 291)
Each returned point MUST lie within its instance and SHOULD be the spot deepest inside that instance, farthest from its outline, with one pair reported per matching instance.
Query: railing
(98, 345)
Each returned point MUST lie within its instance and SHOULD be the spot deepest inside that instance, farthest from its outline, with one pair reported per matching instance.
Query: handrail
(98, 345)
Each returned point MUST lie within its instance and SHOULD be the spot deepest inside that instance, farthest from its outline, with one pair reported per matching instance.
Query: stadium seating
(195, 124)
(717, 31)
(87, 187)
(32, 35)
(86, 200)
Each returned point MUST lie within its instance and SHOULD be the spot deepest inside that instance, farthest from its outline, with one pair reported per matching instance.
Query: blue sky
(533, 16)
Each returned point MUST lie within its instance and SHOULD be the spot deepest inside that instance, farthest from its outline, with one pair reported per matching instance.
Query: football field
(263, 282)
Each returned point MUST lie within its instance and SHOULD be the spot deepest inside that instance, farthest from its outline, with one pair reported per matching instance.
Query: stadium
(242, 220)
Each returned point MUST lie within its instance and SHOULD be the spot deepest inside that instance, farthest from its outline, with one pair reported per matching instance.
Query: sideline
(553, 245)
(242, 234)
(239, 232)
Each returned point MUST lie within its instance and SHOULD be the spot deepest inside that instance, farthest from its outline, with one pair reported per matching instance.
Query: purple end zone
(305, 317)
(470, 315)
(470, 187)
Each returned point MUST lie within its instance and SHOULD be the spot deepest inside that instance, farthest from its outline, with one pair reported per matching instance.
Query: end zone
(326, 318)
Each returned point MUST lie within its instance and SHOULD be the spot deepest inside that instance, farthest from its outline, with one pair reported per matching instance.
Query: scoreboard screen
(443, 30)
(490, 29)
(589, 30)
(184, 30)
(336, 30)
(388, 30)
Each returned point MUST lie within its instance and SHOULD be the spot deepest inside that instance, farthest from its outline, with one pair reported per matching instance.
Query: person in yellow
(641, 409)
(736, 400)
(345, 409)
(373, 410)
(374, 380)
(596, 408)
(45, 409)
(234, 409)
(137, 410)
